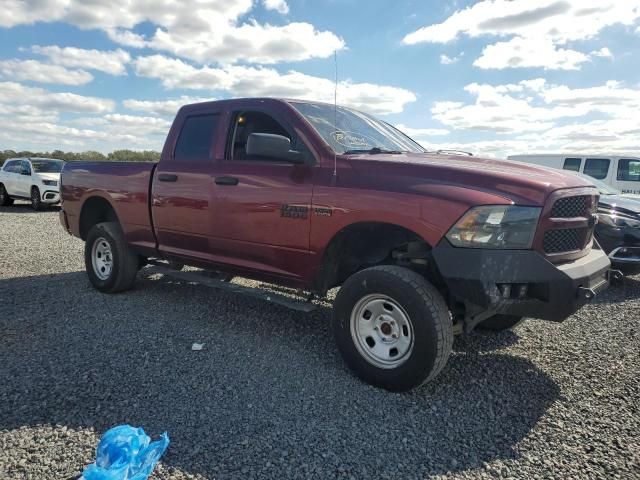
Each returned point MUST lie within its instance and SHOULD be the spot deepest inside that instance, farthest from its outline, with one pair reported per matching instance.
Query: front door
(261, 206)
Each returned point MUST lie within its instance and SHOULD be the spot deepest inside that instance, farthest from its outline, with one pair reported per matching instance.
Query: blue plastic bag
(125, 453)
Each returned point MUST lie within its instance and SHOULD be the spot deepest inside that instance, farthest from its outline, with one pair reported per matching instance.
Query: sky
(492, 77)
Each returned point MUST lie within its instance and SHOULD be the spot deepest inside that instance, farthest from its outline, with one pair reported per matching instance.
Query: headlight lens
(614, 220)
(50, 183)
(496, 226)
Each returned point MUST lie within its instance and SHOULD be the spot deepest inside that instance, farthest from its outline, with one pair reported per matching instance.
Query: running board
(203, 278)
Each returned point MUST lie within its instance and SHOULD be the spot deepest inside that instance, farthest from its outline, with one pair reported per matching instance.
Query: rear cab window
(629, 170)
(597, 167)
(572, 164)
(196, 139)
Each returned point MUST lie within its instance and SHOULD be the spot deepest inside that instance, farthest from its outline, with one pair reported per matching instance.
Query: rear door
(9, 176)
(261, 207)
(23, 179)
(182, 186)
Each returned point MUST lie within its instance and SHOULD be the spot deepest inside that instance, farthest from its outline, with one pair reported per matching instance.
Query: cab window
(25, 167)
(245, 124)
(572, 164)
(629, 170)
(196, 138)
(11, 166)
(597, 167)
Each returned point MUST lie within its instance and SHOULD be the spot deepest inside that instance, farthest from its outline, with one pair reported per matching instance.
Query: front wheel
(392, 327)
(36, 202)
(498, 323)
(110, 263)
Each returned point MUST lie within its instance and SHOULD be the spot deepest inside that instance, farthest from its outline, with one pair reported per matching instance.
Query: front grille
(567, 240)
(571, 207)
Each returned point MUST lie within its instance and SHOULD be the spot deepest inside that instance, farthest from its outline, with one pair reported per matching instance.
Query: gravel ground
(269, 396)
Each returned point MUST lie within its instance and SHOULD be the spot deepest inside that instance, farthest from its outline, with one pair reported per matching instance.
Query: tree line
(90, 155)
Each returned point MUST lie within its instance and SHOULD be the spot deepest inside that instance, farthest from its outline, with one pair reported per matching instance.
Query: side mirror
(273, 146)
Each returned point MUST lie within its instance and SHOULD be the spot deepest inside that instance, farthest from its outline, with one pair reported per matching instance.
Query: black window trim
(186, 117)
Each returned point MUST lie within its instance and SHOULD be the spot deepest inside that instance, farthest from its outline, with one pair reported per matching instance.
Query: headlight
(50, 183)
(496, 226)
(614, 220)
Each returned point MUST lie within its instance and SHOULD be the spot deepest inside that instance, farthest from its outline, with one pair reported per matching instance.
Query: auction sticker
(353, 139)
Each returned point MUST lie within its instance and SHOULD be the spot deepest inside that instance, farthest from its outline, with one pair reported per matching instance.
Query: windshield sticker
(353, 140)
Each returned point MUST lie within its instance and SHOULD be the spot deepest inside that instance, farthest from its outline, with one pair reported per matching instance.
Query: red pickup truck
(314, 196)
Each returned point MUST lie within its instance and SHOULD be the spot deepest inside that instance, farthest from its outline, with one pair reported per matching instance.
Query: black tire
(5, 199)
(36, 202)
(498, 323)
(428, 316)
(124, 263)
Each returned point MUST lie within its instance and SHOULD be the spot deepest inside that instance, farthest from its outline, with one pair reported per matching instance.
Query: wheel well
(364, 245)
(95, 210)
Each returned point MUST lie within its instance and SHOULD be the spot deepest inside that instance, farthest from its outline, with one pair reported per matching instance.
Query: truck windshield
(350, 131)
(47, 166)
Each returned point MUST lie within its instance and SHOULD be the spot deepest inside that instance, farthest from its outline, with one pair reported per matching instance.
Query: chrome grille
(566, 240)
(571, 207)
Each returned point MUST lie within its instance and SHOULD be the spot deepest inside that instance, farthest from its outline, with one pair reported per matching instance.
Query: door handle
(226, 181)
(167, 177)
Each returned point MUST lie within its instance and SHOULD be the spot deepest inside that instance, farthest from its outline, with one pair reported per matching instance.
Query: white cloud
(279, 6)
(419, 133)
(603, 52)
(259, 81)
(537, 31)
(162, 107)
(206, 32)
(112, 62)
(520, 52)
(535, 116)
(35, 71)
(48, 104)
(447, 60)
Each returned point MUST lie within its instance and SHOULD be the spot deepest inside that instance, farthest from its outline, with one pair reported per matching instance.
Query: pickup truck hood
(519, 182)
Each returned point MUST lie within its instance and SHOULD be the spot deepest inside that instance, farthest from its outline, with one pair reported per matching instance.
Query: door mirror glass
(272, 146)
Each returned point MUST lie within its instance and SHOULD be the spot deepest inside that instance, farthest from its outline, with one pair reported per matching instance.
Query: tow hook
(615, 277)
(586, 293)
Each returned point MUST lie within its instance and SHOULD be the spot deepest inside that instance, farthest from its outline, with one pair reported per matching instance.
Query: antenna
(335, 114)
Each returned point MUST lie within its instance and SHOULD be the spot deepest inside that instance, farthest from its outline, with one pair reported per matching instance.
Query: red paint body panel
(241, 228)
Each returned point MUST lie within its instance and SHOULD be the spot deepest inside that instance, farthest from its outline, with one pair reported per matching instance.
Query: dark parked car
(618, 228)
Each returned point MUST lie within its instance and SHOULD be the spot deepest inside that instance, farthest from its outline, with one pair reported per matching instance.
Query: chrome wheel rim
(382, 331)
(102, 259)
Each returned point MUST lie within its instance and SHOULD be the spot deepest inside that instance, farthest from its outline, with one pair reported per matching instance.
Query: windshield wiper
(373, 151)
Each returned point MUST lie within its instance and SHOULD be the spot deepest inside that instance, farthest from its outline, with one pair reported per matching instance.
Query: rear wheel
(36, 202)
(5, 199)
(392, 327)
(500, 322)
(110, 263)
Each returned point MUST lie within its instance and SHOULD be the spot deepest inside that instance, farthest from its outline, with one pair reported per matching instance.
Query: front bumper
(519, 282)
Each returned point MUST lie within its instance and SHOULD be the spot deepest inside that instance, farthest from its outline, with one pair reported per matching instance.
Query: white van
(621, 172)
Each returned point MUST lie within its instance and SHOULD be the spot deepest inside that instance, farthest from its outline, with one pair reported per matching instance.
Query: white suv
(35, 179)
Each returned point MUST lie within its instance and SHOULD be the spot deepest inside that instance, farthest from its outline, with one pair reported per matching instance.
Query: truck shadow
(25, 207)
(268, 393)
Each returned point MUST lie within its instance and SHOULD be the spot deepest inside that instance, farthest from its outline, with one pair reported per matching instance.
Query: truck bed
(125, 185)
